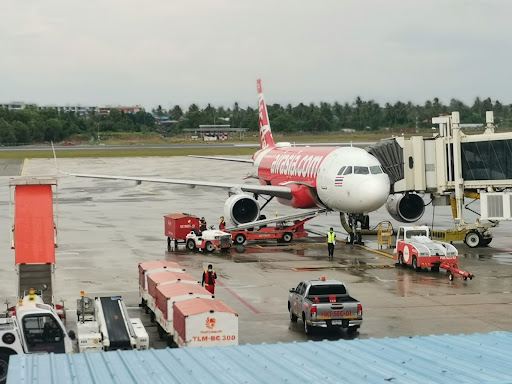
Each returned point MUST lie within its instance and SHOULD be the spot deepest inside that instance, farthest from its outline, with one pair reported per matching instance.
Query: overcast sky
(169, 52)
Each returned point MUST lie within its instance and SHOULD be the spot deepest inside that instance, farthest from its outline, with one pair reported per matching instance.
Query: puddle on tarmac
(499, 257)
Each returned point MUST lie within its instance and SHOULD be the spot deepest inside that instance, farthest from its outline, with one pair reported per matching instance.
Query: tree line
(32, 125)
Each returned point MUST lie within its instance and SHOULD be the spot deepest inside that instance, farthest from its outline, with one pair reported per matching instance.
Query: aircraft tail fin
(266, 139)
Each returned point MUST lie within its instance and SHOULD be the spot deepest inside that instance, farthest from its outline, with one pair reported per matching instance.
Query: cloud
(175, 52)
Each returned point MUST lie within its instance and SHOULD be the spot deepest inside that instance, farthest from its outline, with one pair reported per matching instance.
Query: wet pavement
(106, 227)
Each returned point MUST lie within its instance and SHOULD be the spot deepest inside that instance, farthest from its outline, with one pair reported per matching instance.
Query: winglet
(266, 139)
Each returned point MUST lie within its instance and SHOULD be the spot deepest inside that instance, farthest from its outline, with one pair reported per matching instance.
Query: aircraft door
(326, 174)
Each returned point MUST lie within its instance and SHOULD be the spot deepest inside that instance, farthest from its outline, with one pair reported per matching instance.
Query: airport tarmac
(107, 227)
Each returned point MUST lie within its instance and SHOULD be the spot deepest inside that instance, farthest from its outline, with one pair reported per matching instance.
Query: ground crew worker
(202, 224)
(195, 230)
(331, 241)
(222, 225)
(209, 277)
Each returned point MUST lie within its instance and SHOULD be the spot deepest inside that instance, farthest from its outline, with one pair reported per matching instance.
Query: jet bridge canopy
(487, 160)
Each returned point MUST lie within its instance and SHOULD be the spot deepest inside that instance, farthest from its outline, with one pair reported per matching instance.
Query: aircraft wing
(223, 158)
(277, 191)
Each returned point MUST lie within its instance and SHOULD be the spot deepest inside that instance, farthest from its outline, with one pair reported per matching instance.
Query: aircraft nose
(374, 192)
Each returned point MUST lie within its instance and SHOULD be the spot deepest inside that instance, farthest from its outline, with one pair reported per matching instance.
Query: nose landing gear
(356, 224)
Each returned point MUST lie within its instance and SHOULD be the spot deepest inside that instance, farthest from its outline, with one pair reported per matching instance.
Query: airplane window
(361, 171)
(348, 171)
(341, 170)
(375, 170)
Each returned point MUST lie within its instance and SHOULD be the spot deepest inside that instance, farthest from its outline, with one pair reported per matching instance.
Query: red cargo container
(204, 323)
(155, 266)
(168, 277)
(167, 294)
(178, 225)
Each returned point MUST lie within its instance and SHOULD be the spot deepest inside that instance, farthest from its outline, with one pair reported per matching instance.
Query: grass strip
(136, 152)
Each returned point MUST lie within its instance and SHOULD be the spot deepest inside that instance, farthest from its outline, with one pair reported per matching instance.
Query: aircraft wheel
(239, 239)
(473, 239)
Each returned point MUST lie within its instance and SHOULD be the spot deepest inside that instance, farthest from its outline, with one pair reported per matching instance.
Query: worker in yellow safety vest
(331, 241)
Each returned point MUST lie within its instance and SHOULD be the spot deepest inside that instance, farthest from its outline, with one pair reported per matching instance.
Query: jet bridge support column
(457, 169)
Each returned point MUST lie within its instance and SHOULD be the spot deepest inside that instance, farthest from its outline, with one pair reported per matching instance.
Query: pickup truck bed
(324, 303)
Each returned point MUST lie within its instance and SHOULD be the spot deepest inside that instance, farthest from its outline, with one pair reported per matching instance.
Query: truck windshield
(415, 232)
(331, 289)
(43, 334)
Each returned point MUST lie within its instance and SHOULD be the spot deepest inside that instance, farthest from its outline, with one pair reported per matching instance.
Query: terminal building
(216, 132)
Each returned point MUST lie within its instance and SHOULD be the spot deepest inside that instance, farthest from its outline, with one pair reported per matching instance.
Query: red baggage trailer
(178, 226)
(204, 323)
(163, 278)
(167, 296)
(149, 267)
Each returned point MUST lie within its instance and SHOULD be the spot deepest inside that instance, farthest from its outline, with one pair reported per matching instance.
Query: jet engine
(241, 209)
(406, 208)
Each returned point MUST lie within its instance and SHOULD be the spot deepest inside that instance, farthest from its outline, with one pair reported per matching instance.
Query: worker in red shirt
(202, 224)
(209, 277)
(222, 225)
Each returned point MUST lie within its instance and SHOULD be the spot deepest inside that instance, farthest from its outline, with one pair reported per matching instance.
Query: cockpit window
(341, 170)
(361, 171)
(375, 170)
(348, 170)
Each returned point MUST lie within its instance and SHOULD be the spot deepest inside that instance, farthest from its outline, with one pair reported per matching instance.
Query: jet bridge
(451, 166)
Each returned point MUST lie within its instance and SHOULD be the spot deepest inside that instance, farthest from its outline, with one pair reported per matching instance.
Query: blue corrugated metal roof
(474, 358)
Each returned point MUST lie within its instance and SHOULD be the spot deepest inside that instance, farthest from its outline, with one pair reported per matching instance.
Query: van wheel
(287, 237)
(191, 245)
(4, 364)
(293, 317)
(401, 259)
(209, 247)
(415, 264)
(308, 329)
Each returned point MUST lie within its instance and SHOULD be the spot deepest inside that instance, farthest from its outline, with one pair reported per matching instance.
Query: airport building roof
(473, 358)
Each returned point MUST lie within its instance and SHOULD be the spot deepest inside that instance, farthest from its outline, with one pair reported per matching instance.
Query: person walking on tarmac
(222, 225)
(202, 224)
(209, 277)
(331, 241)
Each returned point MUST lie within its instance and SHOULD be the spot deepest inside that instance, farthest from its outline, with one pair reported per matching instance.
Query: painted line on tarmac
(238, 297)
(375, 251)
(22, 173)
